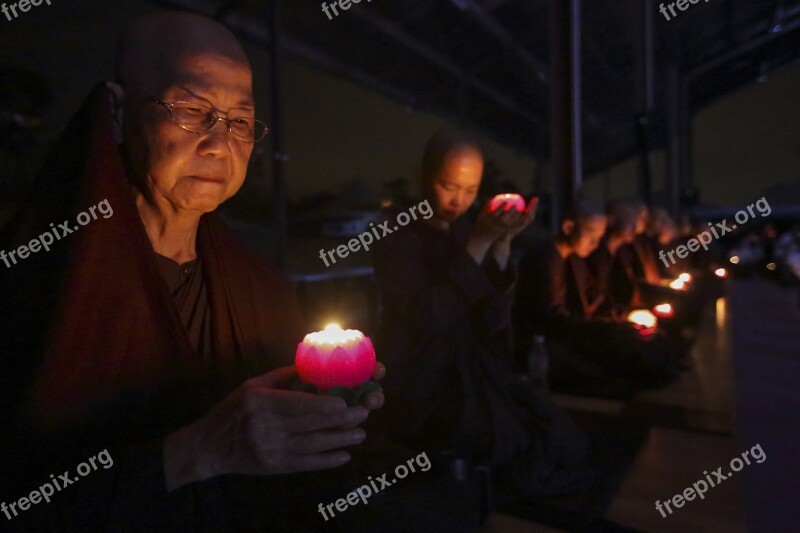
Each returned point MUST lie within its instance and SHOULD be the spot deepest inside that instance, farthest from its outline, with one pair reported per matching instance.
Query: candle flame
(643, 317)
(721, 273)
(686, 278)
(333, 334)
(677, 284)
(665, 310)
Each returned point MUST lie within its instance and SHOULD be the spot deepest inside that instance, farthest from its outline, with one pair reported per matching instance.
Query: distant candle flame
(663, 311)
(643, 318)
(735, 259)
(721, 273)
(686, 278)
(677, 284)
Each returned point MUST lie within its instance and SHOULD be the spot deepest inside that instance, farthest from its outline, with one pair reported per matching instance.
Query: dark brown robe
(444, 334)
(555, 296)
(615, 277)
(646, 264)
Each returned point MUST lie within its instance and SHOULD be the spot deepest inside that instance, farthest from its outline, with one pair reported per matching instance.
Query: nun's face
(195, 172)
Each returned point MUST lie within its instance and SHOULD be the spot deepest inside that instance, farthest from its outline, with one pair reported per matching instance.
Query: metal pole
(649, 57)
(566, 152)
(645, 90)
(577, 122)
(674, 148)
(687, 156)
(276, 134)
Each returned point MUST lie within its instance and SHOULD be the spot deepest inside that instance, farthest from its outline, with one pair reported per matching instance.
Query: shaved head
(583, 226)
(621, 218)
(584, 208)
(153, 48)
(452, 167)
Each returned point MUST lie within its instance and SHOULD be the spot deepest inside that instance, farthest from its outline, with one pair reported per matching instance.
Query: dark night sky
(743, 144)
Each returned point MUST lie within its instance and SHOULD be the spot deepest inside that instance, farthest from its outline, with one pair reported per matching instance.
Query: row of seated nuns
(461, 315)
(593, 291)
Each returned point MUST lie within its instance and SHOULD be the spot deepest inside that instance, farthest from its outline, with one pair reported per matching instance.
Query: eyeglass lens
(203, 118)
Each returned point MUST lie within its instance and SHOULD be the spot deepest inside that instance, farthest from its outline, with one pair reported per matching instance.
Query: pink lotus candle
(507, 202)
(335, 358)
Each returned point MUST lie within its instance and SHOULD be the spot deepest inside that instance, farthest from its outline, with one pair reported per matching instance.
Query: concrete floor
(675, 457)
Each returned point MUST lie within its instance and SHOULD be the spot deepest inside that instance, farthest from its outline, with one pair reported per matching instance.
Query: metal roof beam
(489, 23)
(745, 48)
(437, 58)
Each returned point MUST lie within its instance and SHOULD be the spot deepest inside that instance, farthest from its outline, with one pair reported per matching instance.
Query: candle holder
(351, 395)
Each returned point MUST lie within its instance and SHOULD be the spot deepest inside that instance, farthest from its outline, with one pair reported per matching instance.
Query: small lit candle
(644, 321)
(507, 202)
(721, 273)
(663, 311)
(335, 358)
(678, 284)
(686, 278)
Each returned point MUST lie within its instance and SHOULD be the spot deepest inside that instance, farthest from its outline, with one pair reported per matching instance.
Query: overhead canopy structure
(485, 63)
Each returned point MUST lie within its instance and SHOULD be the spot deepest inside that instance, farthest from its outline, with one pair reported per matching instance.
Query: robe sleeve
(435, 299)
(498, 307)
(541, 301)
